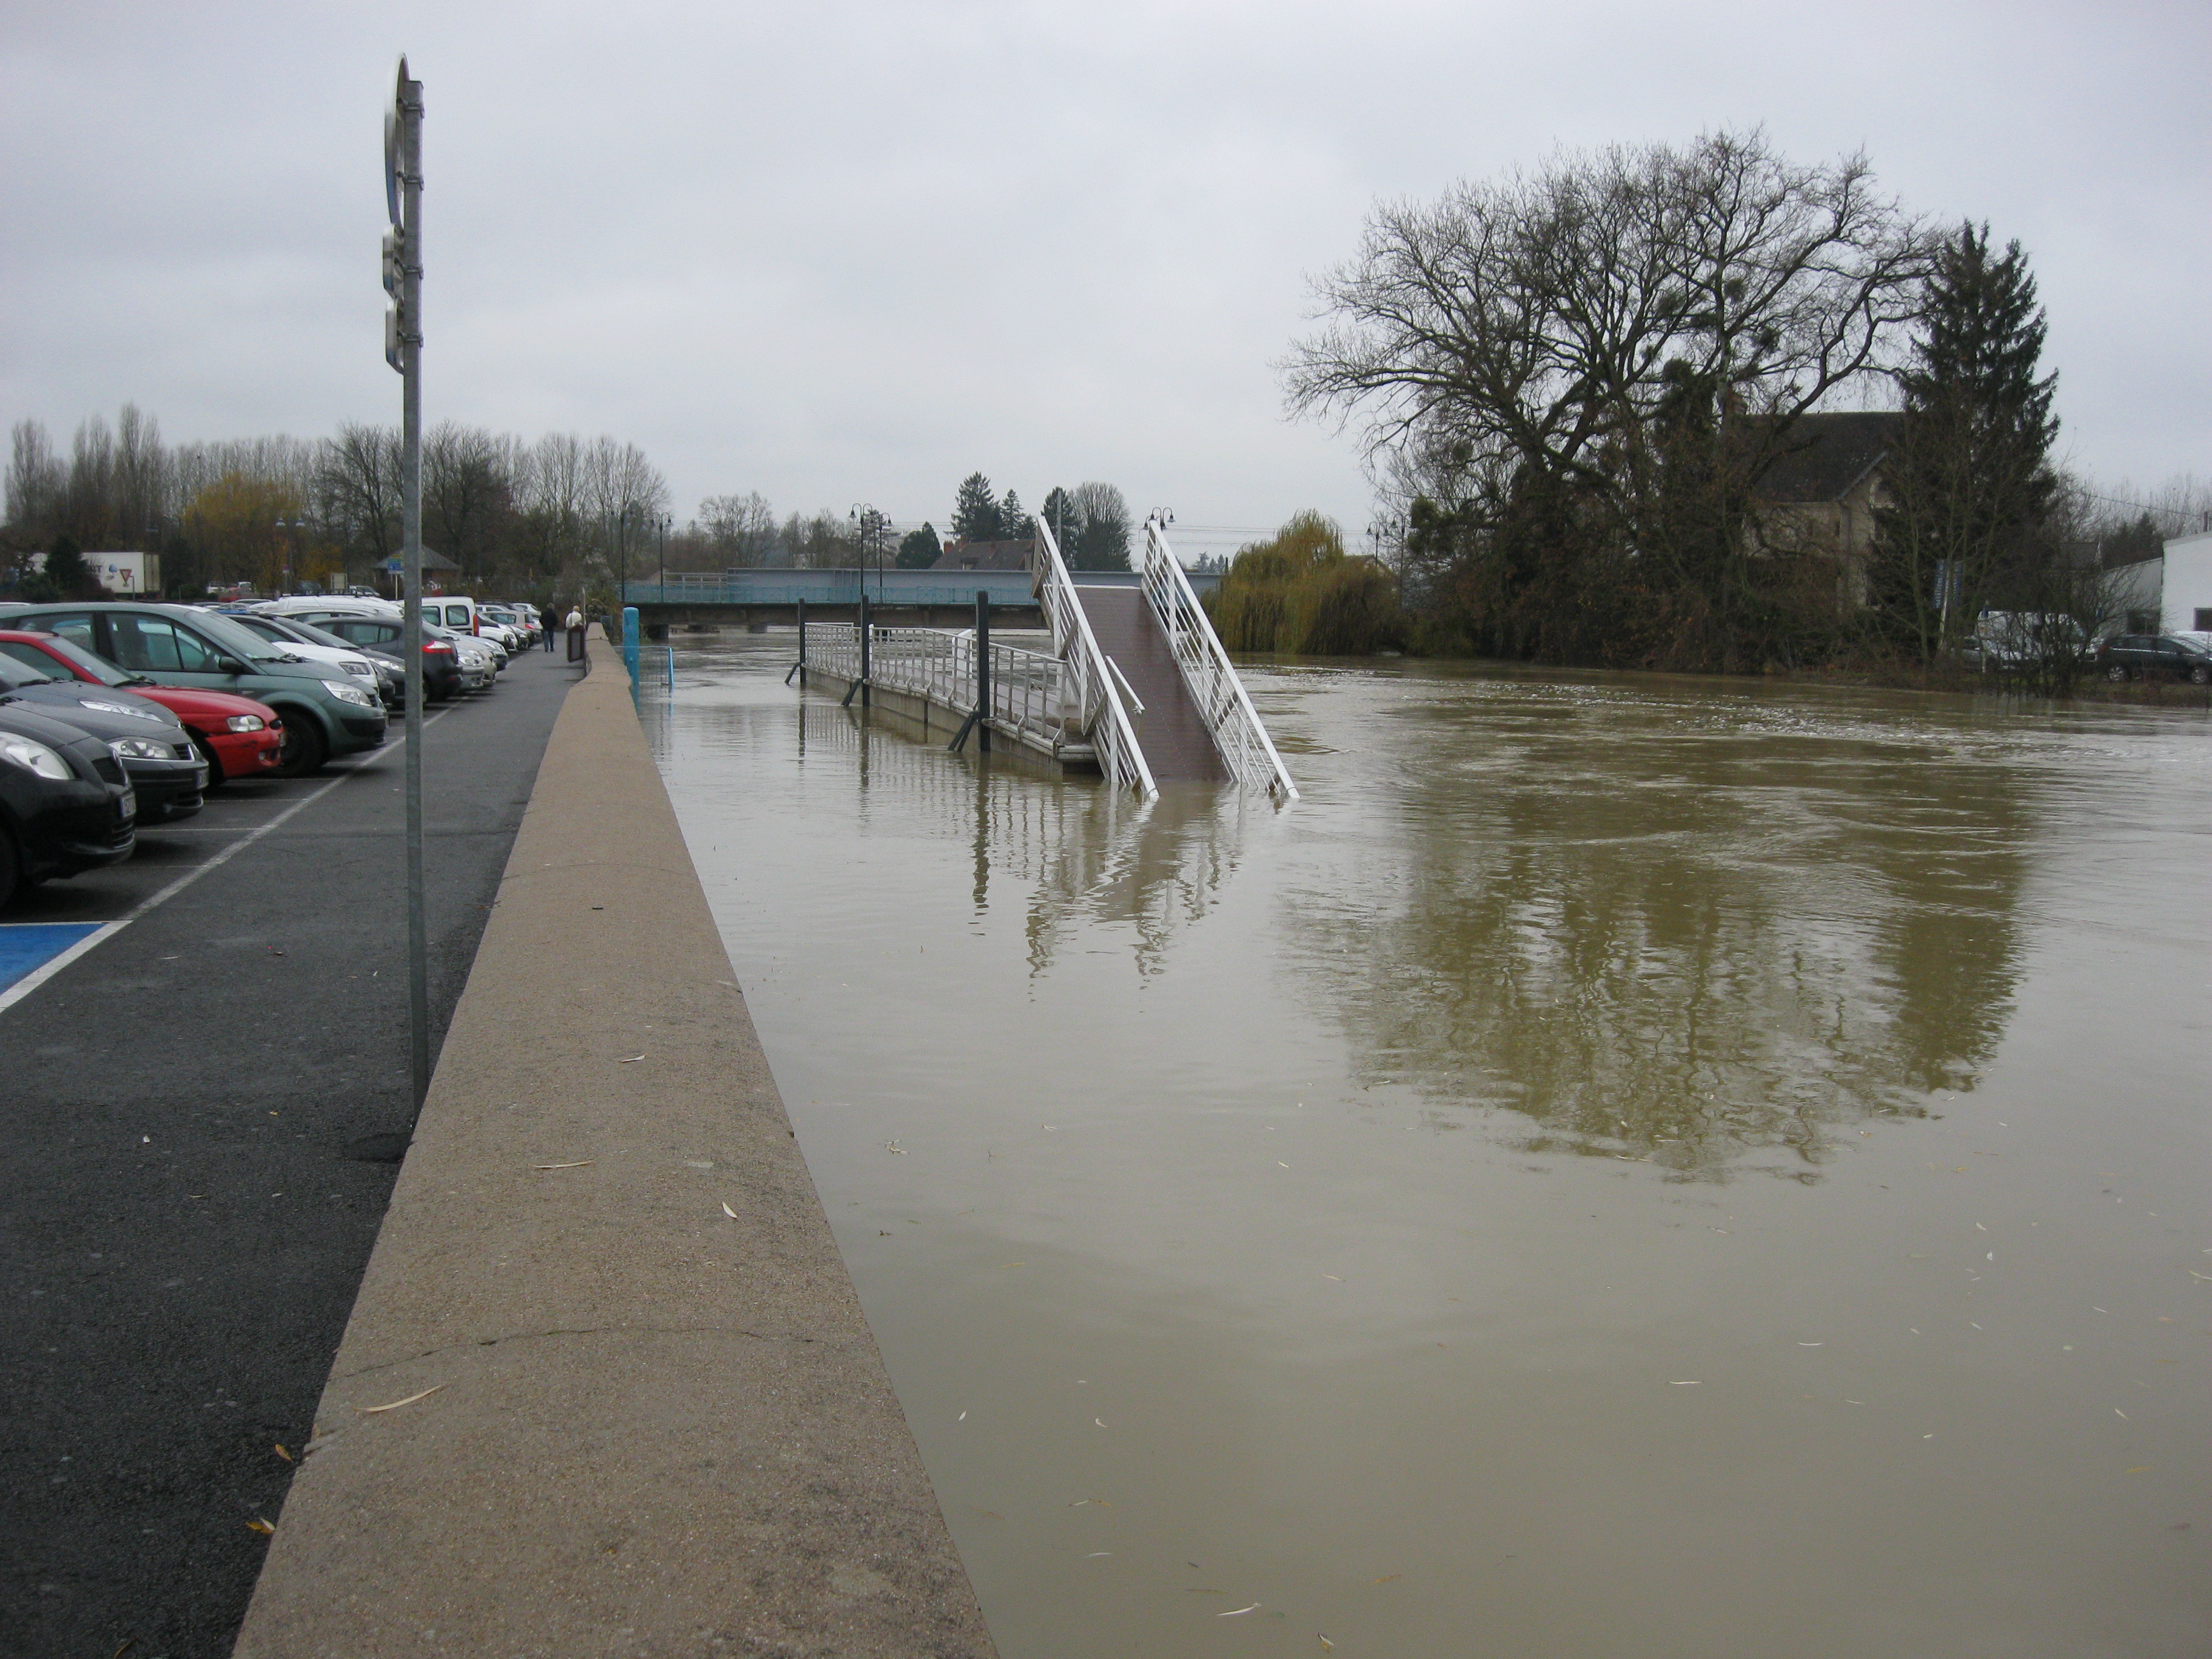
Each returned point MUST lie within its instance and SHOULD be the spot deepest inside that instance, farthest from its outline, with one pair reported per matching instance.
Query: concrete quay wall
(607, 1389)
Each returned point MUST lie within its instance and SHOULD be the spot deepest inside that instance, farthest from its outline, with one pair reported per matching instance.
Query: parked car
(324, 714)
(237, 737)
(443, 672)
(519, 622)
(476, 648)
(318, 647)
(2006, 641)
(65, 806)
(2154, 656)
(159, 759)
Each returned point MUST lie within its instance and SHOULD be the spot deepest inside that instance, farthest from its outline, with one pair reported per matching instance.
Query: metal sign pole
(407, 111)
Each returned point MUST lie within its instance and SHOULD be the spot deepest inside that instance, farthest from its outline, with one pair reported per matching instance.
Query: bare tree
(740, 528)
(35, 484)
(1612, 350)
(356, 485)
(1102, 539)
(466, 493)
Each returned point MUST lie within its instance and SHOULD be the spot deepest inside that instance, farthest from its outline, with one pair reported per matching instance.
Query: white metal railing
(1096, 700)
(1027, 700)
(1207, 673)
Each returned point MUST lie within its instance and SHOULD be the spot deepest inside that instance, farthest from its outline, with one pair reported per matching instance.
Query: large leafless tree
(1633, 331)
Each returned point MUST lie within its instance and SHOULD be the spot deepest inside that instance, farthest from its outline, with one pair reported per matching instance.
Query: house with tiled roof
(1821, 493)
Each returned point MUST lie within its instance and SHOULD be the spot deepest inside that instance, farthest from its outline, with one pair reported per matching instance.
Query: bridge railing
(1207, 673)
(1026, 686)
(1091, 686)
(945, 589)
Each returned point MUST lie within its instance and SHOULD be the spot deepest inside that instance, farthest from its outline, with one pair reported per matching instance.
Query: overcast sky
(844, 252)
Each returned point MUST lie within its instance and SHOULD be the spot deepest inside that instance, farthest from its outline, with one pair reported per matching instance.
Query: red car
(238, 737)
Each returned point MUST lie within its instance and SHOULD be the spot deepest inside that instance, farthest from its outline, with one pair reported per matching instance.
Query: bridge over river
(927, 599)
(1135, 686)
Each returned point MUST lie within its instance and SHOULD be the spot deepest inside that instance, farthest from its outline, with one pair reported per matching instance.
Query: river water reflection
(1625, 1166)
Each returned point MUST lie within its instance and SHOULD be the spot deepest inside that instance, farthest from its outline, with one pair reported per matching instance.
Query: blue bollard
(629, 641)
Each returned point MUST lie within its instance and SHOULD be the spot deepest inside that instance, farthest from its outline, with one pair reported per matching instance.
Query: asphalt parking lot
(203, 1112)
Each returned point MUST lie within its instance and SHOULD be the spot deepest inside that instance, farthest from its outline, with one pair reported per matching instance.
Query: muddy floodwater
(1626, 1166)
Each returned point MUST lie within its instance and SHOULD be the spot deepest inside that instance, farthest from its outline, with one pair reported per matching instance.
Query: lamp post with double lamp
(291, 527)
(868, 526)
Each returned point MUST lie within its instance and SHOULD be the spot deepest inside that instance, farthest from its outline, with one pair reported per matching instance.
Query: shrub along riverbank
(1301, 595)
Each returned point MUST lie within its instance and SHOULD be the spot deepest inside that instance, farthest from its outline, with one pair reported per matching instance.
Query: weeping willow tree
(1302, 593)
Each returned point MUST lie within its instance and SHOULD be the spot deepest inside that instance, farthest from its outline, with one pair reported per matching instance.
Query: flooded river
(1625, 1166)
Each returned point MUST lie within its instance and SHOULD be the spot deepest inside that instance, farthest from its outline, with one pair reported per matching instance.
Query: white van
(460, 615)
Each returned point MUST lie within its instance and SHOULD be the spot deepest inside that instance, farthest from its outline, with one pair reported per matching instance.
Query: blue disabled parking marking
(25, 947)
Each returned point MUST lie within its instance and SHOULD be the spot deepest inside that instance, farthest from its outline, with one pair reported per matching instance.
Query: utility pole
(403, 350)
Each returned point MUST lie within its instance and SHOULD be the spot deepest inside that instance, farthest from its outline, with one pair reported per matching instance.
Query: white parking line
(31, 981)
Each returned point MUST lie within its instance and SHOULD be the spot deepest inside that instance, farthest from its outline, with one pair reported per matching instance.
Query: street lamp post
(291, 527)
(868, 525)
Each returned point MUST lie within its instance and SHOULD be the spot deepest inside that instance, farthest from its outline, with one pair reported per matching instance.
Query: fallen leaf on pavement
(370, 1411)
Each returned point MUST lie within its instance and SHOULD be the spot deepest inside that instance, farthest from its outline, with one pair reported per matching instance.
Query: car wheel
(215, 779)
(2201, 675)
(11, 867)
(304, 750)
(2116, 673)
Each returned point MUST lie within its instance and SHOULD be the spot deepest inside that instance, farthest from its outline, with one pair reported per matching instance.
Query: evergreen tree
(1013, 523)
(975, 510)
(1969, 480)
(919, 549)
(66, 569)
(1062, 517)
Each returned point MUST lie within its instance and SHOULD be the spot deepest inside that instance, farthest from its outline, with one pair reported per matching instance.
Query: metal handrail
(1026, 694)
(1097, 701)
(1207, 673)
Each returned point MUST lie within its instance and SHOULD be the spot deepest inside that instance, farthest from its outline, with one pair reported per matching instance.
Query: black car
(2154, 656)
(442, 675)
(64, 805)
(157, 754)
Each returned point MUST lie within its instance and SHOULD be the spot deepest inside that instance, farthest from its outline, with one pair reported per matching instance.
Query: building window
(2204, 619)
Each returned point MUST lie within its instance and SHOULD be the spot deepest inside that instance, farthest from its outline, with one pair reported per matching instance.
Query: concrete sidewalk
(634, 1422)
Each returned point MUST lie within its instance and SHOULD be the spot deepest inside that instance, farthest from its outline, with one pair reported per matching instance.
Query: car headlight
(139, 749)
(246, 723)
(117, 708)
(361, 668)
(352, 694)
(36, 756)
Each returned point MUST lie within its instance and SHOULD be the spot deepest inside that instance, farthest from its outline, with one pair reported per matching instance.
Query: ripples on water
(1543, 1191)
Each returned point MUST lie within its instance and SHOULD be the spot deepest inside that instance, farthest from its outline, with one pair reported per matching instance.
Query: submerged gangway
(1137, 685)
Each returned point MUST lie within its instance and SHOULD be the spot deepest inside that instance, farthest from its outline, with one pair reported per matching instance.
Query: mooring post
(865, 630)
(799, 667)
(983, 668)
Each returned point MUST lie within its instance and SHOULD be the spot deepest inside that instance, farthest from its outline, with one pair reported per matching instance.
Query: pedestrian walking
(547, 629)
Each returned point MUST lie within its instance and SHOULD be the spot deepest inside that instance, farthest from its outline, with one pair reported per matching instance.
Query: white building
(2170, 594)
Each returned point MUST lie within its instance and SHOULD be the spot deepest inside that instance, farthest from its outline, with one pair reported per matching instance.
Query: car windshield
(226, 632)
(314, 635)
(15, 673)
(97, 668)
